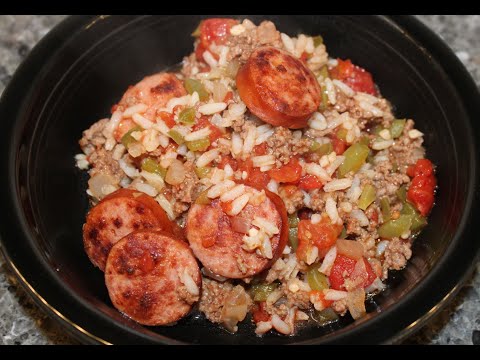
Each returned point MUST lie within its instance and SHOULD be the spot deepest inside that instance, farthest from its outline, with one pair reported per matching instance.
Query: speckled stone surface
(22, 322)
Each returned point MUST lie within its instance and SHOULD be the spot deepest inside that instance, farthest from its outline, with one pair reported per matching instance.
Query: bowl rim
(409, 26)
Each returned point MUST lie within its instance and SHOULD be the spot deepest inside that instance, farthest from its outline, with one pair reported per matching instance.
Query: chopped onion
(99, 182)
(175, 173)
(377, 284)
(240, 224)
(356, 303)
(350, 248)
(219, 91)
(235, 308)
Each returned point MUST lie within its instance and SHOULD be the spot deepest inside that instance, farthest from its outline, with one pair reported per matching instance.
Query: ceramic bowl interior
(82, 68)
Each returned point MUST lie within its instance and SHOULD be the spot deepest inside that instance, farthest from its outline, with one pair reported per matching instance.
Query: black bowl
(81, 68)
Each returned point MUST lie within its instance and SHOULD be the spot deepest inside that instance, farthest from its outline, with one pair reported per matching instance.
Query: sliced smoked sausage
(221, 247)
(278, 88)
(117, 215)
(152, 277)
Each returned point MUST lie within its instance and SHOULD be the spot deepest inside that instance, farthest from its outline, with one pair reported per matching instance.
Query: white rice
(381, 247)
(166, 205)
(371, 108)
(207, 157)
(266, 248)
(209, 59)
(328, 261)
(222, 61)
(236, 30)
(360, 216)
(142, 121)
(345, 206)
(220, 188)
(263, 326)
(189, 283)
(237, 110)
(347, 90)
(331, 94)
(219, 121)
(228, 171)
(263, 160)
(153, 179)
(355, 191)
(183, 100)
(129, 170)
(414, 134)
(135, 109)
(146, 188)
(118, 151)
(334, 295)
(315, 218)
(280, 325)
(331, 209)
(339, 120)
(249, 141)
(199, 134)
(217, 175)
(312, 255)
(263, 137)
(233, 193)
(317, 121)
(318, 171)
(161, 127)
(269, 227)
(182, 150)
(272, 186)
(237, 144)
(382, 144)
(212, 108)
(334, 164)
(337, 184)
(81, 161)
(266, 168)
(238, 204)
(287, 42)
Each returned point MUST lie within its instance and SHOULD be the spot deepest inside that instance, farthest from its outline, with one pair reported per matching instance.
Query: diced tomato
(123, 127)
(167, 118)
(304, 57)
(228, 160)
(260, 314)
(319, 296)
(309, 182)
(343, 268)
(113, 108)
(204, 122)
(255, 177)
(260, 149)
(226, 206)
(354, 76)
(228, 97)
(322, 235)
(289, 173)
(288, 190)
(421, 192)
(212, 31)
(339, 146)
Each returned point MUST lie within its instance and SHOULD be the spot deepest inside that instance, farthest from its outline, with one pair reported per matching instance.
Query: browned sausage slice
(278, 88)
(154, 91)
(152, 277)
(221, 248)
(117, 215)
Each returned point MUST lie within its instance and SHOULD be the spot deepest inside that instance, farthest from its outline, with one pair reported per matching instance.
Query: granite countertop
(22, 322)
